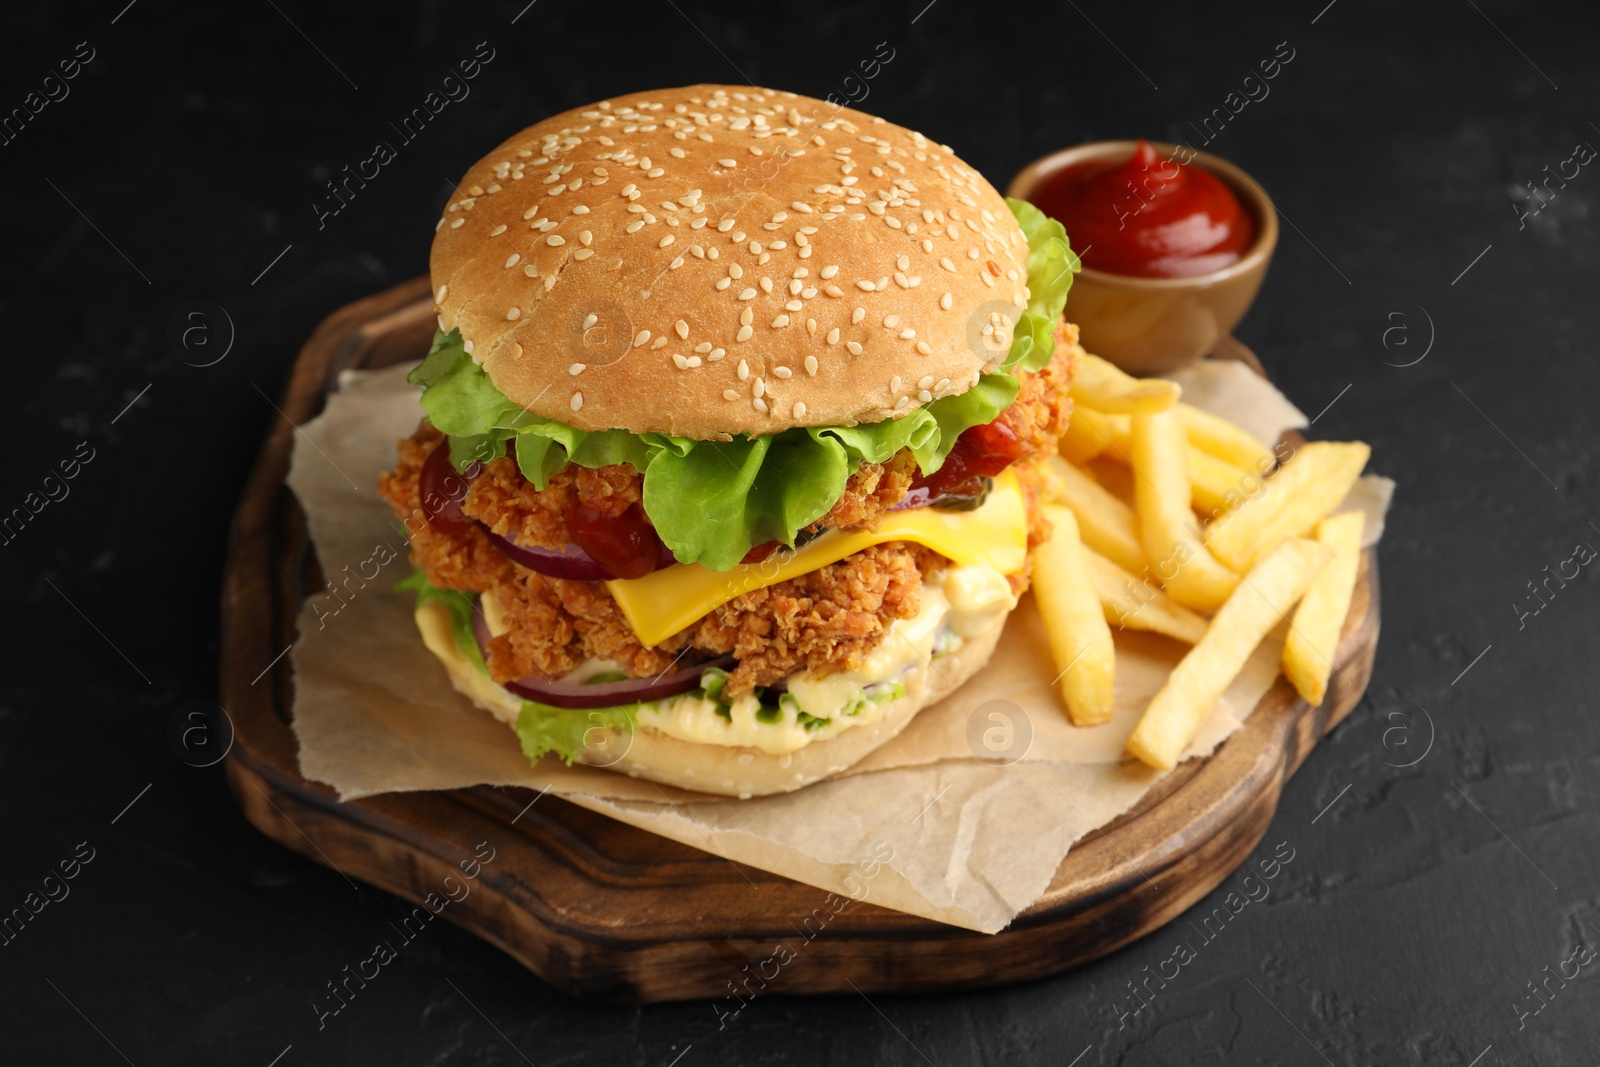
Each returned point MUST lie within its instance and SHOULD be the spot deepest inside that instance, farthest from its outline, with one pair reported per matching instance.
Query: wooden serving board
(605, 910)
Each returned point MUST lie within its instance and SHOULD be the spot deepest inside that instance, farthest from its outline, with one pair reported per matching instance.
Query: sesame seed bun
(717, 260)
(736, 770)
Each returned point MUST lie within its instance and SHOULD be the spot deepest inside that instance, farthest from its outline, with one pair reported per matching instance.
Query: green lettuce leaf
(1051, 265)
(711, 501)
(542, 728)
(460, 605)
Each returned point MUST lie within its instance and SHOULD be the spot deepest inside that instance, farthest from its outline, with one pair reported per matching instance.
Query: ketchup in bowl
(1147, 216)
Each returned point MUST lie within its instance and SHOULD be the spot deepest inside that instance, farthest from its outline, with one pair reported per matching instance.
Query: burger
(731, 434)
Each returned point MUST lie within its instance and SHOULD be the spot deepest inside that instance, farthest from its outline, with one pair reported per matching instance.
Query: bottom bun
(727, 769)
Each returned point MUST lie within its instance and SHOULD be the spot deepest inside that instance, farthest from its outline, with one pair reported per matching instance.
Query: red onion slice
(564, 694)
(569, 561)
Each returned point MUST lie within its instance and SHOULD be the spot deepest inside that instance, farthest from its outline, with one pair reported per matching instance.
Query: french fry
(1083, 438)
(1215, 485)
(1105, 523)
(1107, 388)
(1314, 638)
(1137, 604)
(1168, 530)
(1080, 640)
(1114, 475)
(1305, 489)
(1091, 433)
(1259, 604)
(1221, 438)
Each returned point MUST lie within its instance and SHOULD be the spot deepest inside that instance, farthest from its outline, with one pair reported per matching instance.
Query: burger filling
(543, 543)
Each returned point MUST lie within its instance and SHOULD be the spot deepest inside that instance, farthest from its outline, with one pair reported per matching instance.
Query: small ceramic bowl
(1153, 325)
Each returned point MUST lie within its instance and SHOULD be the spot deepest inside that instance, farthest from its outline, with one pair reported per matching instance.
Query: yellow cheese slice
(994, 535)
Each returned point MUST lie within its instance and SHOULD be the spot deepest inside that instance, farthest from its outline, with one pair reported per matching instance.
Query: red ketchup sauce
(626, 545)
(981, 452)
(1147, 216)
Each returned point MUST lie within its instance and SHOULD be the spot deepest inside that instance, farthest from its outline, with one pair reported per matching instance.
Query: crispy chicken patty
(826, 620)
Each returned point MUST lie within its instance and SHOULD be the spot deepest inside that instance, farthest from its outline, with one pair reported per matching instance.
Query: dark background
(1422, 899)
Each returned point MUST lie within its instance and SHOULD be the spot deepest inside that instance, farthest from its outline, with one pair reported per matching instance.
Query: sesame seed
(730, 163)
(555, 239)
(829, 271)
(924, 349)
(743, 370)
(577, 401)
(692, 362)
(581, 209)
(865, 284)
(586, 238)
(891, 321)
(716, 354)
(730, 394)
(758, 387)
(782, 372)
(456, 224)
(498, 230)
(640, 338)
(747, 294)
(793, 305)
(577, 369)
(744, 333)
(635, 226)
(759, 404)
(680, 361)
(766, 285)
(723, 283)
(780, 322)
(530, 269)
(857, 315)
(947, 265)
(903, 262)
(725, 225)
(665, 241)
(924, 396)
(514, 314)
(833, 290)
(854, 347)
(443, 289)
(746, 317)
(799, 409)
(582, 254)
(907, 334)
(811, 364)
(659, 342)
(895, 383)
(682, 328)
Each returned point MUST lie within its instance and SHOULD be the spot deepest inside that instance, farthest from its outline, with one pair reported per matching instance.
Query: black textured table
(1436, 898)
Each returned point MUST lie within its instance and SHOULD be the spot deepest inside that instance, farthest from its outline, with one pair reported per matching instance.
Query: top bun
(718, 260)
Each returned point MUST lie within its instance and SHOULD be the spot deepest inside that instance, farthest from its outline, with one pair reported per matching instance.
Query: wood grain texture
(608, 911)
